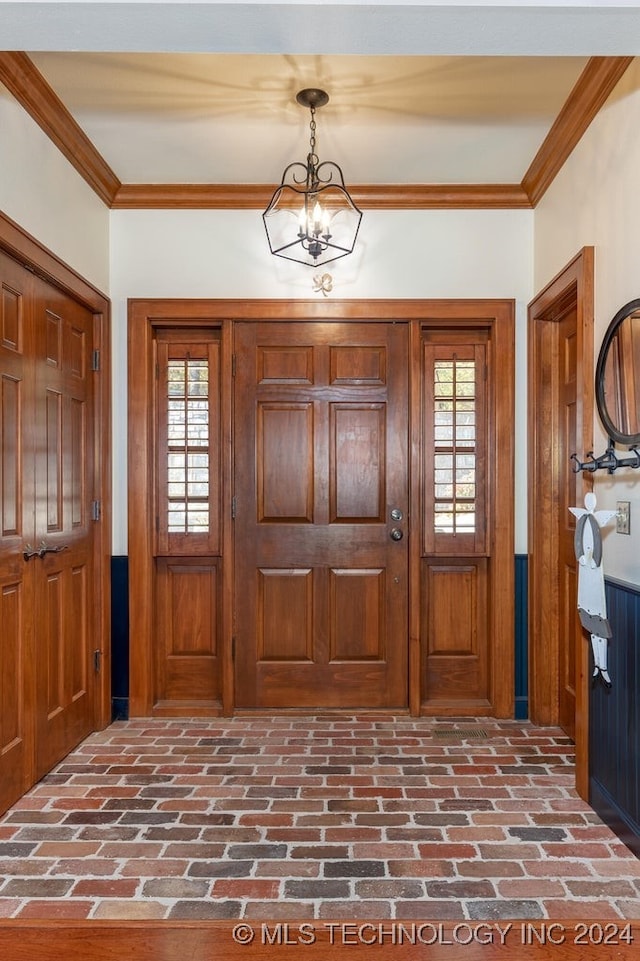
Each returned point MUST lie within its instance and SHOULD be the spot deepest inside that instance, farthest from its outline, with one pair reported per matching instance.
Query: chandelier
(311, 218)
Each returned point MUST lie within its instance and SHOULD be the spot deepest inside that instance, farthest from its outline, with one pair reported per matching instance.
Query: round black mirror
(618, 376)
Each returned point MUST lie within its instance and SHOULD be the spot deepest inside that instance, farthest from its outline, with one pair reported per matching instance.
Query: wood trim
(201, 311)
(28, 86)
(574, 284)
(33, 255)
(594, 85)
(147, 315)
(103, 494)
(228, 565)
(141, 509)
(415, 476)
(547, 940)
(370, 197)
(31, 90)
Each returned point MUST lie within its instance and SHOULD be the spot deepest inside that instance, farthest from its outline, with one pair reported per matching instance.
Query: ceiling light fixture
(311, 218)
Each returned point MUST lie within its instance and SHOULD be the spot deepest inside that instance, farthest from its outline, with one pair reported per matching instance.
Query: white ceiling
(433, 91)
(231, 118)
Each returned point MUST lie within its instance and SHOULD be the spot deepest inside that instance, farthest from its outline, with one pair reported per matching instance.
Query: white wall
(42, 192)
(596, 201)
(400, 254)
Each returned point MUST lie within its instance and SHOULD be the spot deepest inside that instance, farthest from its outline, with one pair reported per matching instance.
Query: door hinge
(233, 365)
(233, 648)
(97, 661)
(234, 504)
(95, 510)
(95, 360)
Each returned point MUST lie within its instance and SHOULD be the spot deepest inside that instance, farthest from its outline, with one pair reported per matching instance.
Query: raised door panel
(187, 665)
(285, 463)
(357, 461)
(285, 615)
(456, 652)
(357, 622)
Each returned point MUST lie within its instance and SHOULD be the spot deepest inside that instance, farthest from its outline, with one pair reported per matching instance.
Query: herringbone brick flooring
(330, 816)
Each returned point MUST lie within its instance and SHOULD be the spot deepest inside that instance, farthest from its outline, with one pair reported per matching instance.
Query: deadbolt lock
(396, 514)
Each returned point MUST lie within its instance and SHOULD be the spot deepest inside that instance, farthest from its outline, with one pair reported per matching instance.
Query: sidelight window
(455, 437)
(187, 471)
(188, 446)
(454, 460)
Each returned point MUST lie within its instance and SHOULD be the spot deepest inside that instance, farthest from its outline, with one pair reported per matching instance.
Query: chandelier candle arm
(325, 225)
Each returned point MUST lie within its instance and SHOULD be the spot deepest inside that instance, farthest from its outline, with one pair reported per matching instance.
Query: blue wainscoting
(614, 730)
(120, 638)
(521, 639)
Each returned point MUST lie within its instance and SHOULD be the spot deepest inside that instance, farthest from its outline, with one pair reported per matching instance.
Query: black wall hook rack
(608, 461)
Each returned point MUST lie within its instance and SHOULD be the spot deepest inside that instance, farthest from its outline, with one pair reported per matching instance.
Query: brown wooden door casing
(321, 460)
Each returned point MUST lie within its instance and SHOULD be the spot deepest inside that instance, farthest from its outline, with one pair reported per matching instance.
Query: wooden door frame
(147, 314)
(572, 287)
(37, 258)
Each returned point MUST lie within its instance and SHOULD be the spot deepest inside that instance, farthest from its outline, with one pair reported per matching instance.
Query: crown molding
(371, 197)
(28, 86)
(595, 83)
(31, 90)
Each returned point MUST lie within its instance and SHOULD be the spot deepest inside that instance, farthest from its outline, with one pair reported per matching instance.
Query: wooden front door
(47, 579)
(321, 503)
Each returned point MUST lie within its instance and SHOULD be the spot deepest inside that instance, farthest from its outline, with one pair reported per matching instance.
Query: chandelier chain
(312, 137)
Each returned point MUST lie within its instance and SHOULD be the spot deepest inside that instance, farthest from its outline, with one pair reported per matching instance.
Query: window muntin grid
(188, 446)
(454, 453)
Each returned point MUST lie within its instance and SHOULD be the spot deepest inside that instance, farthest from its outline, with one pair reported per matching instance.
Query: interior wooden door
(65, 636)
(16, 528)
(560, 357)
(569, 495)
(321, 502)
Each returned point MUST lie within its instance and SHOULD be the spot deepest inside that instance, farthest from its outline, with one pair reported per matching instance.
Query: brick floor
(331, 816)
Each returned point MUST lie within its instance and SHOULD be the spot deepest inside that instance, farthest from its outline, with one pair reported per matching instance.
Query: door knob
(50, 550)
(396, 534)
(29, 552)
